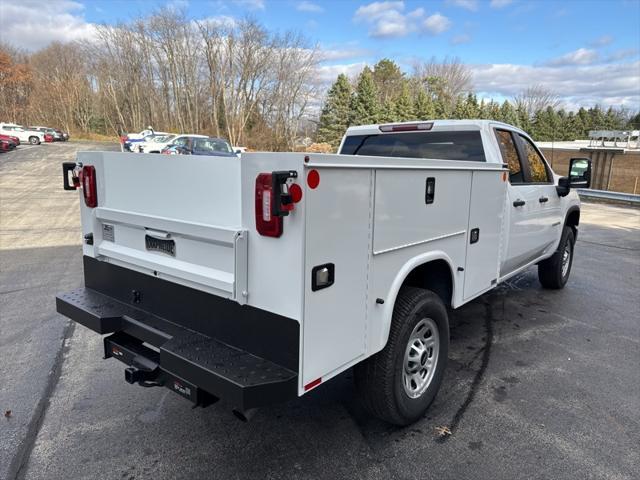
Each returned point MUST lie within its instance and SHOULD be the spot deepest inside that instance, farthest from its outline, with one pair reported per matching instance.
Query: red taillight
(267, 224)
(407, 127)
(89, 188)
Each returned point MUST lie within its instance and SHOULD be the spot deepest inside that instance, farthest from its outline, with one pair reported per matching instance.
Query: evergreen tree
(404, 105)
(388, 79)
(334, 118)
(424, 109)
(388, 112)
(508, 113)
(522, 118)
(365, 108)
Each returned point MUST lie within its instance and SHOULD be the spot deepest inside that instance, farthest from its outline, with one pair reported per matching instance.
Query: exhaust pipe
(244, 415)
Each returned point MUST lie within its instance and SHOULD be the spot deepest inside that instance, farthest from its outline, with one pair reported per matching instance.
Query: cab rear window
(466, 145)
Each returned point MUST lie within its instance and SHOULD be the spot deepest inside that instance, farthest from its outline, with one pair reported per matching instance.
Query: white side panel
(337, 231)
(403, 218)
(488, 192)
(275, 266)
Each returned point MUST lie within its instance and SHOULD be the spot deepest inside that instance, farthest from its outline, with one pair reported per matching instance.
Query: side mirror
(580, 173)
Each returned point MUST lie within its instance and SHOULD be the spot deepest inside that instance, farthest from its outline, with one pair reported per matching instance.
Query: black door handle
(543, 199)
(519, 203)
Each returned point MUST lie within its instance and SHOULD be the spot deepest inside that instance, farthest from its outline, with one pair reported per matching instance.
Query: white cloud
(388, 19)
(342, 54)
(460, 39)
(602, 41)
(311, 7)
(36, 24)
(436, 24)
(622, 54)
(467, 4)
(327, 74)
(500, 3)
(219, 21)
(609, 85)
(178, 4)
(251, 4)
(581, 56)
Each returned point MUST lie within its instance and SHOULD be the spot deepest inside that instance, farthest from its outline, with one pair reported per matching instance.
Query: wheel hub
(566, 259)
(421, 357)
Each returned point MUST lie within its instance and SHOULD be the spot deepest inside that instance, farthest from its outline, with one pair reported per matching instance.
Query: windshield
(163, 138)
(214, 145)
(452, 145)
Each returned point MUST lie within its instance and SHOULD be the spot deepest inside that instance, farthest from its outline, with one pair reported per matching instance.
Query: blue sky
(586, 51)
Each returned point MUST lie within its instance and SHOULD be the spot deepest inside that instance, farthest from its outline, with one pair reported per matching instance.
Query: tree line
(233, 79)
(442, 90)
(238, 80)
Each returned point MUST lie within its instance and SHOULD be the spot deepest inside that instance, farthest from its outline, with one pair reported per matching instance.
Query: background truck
(257, 280)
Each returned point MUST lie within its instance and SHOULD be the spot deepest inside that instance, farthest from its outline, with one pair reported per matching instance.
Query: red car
(48, 137)
(6, 145)
(10, 138)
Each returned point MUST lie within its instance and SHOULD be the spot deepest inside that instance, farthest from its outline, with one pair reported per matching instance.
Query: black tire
(380, 379)
(550, 271)
(34, 140)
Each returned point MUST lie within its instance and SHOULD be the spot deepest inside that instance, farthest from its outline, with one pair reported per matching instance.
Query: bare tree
(534, 99)
(446, 79)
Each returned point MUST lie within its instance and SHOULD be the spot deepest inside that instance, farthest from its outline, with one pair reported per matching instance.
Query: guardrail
(606, 195)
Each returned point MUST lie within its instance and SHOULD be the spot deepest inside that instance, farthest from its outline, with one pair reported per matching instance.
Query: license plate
(160, 245)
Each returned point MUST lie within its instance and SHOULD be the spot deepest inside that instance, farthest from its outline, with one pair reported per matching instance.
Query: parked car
(49, 138)
(64, 136)
(6, 145)
(11, 138)
(155, 143)
(34, 137)
(46, 130)
(259, 281)
(181, 140)
(129, 141)
(206, 146)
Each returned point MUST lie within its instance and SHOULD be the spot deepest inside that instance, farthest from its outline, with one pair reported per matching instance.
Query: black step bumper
(194, 364)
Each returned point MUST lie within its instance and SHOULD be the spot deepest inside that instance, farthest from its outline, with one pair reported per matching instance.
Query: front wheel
(34, 140)
(554, 271)
(399, 383)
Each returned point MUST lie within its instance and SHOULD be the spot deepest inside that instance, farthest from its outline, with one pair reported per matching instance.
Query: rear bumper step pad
(196, 366)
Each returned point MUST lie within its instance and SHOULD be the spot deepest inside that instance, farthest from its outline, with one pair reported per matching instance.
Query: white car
(261, 280)
(34, 137)
(179, 140)
(154, 143)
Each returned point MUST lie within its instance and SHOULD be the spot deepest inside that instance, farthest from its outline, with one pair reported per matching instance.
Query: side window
(537, 167)
(510, 156)
(182, 141)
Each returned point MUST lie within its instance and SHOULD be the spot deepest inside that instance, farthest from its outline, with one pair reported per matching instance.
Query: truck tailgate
(174, 217)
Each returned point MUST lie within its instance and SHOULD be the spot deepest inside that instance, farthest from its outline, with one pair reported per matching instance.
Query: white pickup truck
(260, 279)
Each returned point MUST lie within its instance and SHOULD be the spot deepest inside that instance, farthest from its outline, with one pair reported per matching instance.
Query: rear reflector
(310, 385)
(89, 188)
(267, 224)
(406, 127)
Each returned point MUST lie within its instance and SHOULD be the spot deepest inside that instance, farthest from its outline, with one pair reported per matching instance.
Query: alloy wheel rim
(420, 358)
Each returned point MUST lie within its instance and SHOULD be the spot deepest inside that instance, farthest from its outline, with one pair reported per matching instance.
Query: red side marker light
(313, 179)
(296, 193)
(310, 385)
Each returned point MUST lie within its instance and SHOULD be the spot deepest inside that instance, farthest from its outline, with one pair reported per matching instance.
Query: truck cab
(259, 280)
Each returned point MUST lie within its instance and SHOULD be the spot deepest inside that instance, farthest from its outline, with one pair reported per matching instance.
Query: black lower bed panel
(239, 353)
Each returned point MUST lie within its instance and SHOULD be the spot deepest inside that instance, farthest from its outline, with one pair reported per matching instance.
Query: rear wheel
(554, 271)
(34, 140)
(399, 383)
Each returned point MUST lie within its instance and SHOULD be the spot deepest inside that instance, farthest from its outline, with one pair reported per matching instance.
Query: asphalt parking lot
(540, 385)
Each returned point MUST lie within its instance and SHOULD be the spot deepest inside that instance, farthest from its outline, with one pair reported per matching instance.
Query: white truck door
(526, 232)
(546, 197)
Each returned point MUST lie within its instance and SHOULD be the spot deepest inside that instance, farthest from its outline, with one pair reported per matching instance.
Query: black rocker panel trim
(265, 334)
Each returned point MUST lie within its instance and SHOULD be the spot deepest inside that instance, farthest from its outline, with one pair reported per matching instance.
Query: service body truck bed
(257, 279)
